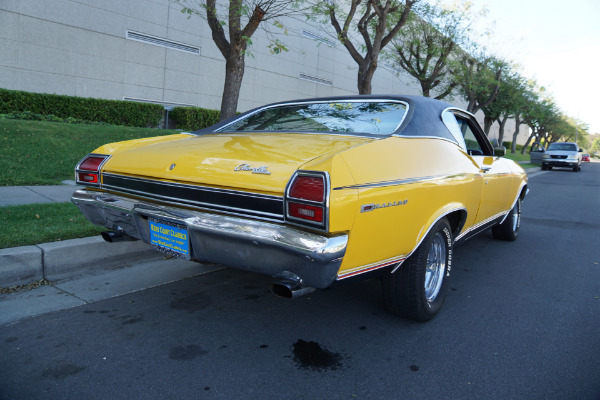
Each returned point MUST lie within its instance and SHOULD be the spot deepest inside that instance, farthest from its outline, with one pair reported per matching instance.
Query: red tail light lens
(91, 163)
(306, 199)
(310, 188)
(87, 171)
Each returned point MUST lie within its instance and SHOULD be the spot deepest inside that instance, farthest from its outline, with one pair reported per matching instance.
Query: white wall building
(147, 50)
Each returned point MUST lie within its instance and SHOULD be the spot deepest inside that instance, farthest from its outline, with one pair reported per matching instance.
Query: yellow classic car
(314, 193)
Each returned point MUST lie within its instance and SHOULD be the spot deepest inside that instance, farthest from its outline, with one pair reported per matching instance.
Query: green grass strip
(42, 223)
(45, 153)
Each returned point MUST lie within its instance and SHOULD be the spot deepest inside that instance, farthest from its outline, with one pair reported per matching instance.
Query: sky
(555, 42)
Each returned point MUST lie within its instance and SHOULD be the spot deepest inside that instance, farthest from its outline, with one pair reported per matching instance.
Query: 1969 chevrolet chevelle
(315, 192)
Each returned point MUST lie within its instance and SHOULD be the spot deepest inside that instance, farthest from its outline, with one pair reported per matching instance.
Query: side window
(473, 147)
(465, 129)
(451, 123)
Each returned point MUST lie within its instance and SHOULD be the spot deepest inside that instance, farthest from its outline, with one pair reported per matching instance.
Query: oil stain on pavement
(310, 355)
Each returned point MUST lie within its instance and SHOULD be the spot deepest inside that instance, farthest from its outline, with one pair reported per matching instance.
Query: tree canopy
(431, 38)
(364, 28)
(232, 27)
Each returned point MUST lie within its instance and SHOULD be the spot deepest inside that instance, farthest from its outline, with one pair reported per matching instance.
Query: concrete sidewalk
(21, 195)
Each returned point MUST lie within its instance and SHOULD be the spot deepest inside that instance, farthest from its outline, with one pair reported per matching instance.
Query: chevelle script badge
(255, 170)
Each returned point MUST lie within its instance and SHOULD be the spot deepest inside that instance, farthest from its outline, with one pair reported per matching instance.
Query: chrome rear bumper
(269, 248)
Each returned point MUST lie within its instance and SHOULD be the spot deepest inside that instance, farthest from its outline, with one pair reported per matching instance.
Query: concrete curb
(58, 260)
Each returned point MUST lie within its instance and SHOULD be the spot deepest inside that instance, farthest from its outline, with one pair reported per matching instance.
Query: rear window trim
(223, 129)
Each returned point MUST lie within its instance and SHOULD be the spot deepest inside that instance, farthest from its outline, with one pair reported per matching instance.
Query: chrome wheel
(418, 288)
(435, 267)
(515, 217)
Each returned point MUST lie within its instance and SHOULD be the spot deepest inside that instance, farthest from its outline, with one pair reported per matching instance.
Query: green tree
(595, 147)
(366, 27)
(478, 75)
(232, 27)
(507, 104)
(540, 116)
(431, 37)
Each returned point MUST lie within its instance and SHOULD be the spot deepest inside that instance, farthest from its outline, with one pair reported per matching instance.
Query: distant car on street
(562, 155)
(585, 157)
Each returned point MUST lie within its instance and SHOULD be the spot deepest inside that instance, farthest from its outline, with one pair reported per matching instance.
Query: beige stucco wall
(80, 48)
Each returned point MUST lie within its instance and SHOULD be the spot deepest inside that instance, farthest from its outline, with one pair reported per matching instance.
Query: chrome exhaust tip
(290, 289)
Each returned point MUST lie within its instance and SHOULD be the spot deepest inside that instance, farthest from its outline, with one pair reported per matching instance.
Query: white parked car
(562, 154)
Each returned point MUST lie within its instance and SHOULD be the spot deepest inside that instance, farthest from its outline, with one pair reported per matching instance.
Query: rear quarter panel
(415, 181)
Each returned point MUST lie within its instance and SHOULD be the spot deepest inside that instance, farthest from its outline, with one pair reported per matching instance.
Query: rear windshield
(562, 146)
(372, 118)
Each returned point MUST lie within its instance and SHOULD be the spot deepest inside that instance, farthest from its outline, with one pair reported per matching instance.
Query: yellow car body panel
(410, 183)
(212, 160)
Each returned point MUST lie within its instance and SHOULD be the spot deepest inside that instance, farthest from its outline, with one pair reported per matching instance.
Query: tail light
(87, 171)
(306, 199)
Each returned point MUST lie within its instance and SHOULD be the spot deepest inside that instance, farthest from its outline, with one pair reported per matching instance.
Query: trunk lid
(258, 162)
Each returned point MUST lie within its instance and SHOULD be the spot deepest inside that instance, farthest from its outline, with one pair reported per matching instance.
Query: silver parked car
(563, 154)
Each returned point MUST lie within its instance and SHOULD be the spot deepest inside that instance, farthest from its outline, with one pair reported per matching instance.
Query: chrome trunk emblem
(255, 170)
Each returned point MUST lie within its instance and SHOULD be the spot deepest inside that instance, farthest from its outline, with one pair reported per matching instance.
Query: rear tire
(418, 288)
(509, 229)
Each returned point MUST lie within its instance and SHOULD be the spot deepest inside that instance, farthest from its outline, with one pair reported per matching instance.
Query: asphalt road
(522, 321)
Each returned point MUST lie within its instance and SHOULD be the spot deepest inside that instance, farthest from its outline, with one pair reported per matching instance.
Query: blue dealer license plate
(169, 237)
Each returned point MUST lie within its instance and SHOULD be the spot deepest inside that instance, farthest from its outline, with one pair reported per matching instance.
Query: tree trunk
(234, 73)
(527, 142)
(502, 123)
(366, 70)
(471, 106)
(487, 125)
(513, 147)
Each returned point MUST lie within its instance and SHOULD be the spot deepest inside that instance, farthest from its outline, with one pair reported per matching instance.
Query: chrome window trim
(295, 103)
(425, 137)
(476, 131)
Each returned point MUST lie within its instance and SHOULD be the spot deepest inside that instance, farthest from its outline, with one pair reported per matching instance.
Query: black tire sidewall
(404, 290)
(505, 231)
